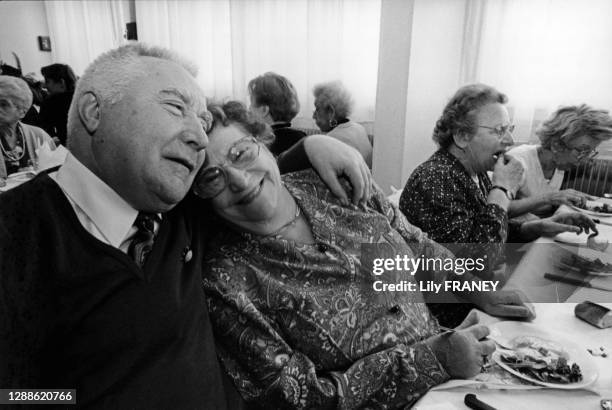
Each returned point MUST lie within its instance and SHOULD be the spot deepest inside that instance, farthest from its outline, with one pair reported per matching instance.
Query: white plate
(506, 331)
(571, 238)
(591, 204)
(590, 255)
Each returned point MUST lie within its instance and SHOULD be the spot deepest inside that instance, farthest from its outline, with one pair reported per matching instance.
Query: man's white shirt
(101, 211)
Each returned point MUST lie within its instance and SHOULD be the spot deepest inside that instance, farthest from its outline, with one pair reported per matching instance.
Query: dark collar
(281, 125)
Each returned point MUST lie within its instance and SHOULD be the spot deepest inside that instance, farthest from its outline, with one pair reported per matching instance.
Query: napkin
(48, 158)
(394, 198)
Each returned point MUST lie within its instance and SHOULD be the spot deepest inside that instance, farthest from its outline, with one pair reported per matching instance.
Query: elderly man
(100, 261)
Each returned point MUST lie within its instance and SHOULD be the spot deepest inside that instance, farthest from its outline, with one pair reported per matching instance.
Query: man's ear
(265, 110)
(89, 111)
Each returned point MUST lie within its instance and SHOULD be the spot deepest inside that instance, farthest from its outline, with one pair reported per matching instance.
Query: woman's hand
(567, 197)
(564, 222)
(508, 174)
(332, 159)
(462, 352)
(505, 303)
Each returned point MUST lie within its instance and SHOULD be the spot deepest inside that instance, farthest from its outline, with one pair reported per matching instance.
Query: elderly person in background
(18, 141)
(333, 106)
(568, 138)
(275, 101)
(288, 294)
(451, 198)
(59, 82)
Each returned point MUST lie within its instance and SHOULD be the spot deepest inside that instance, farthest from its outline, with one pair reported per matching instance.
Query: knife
(472, 402)
(576, 282)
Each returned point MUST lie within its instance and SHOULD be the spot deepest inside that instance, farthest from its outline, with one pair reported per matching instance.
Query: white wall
(419, 62)
(437, 40)
(21, 22)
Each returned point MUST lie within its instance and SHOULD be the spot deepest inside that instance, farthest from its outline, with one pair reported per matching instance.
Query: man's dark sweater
(77, 313)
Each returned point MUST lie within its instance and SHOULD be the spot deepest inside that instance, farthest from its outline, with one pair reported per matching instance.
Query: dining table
(558, 318)
(554, 304)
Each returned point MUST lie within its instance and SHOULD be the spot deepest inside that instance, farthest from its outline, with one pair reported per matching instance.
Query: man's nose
(238, 178)
(195, 136)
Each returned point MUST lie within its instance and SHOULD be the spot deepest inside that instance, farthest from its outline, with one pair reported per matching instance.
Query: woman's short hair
(277, 93)
(235, 112)
(459, 115)
(333, 94)
(58, 72)
(570, 122)
(16, 90)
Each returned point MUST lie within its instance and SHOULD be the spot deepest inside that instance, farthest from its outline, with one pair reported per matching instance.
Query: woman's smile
(251, 194)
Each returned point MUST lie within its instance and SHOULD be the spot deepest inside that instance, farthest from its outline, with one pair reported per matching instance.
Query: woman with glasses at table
(567, 139)
(452, 199)
(18, 141)
(295, 324)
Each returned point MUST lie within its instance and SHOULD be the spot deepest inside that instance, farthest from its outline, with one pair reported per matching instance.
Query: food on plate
(596, 207)
(592, 265)
(541, 360)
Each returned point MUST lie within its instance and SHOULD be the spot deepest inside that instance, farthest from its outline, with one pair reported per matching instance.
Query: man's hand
(462, 352)
(564, 222)
(332, 159)
(567, 197)
(505, 303)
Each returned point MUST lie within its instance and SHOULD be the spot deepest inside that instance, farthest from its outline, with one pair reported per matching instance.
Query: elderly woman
(18, 141)
(275, 101)
(60, 81)
(295, 323)
(450, 196)
(568, 138)
(333, 106)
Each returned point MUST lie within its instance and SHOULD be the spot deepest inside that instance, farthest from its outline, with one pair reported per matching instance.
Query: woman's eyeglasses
(211, 181)
(501, 130)
(585, 153)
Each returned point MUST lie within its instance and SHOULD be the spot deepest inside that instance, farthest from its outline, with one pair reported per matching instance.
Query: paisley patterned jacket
(298, 326)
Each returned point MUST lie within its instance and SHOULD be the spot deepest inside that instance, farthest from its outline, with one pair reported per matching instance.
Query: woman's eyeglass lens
(585, 154)
(501, 131)
(211, 181)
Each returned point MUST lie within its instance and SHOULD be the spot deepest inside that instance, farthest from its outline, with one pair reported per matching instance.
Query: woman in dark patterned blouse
(295, 319)
(450, 196)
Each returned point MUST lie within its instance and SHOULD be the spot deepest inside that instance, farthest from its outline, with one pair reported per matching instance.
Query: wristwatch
(509, 194)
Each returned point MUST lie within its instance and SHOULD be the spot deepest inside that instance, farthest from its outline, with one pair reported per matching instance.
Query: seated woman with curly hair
(568, 138)
(275, 101)
(452, 199)
(333, 106)
(296, 322)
